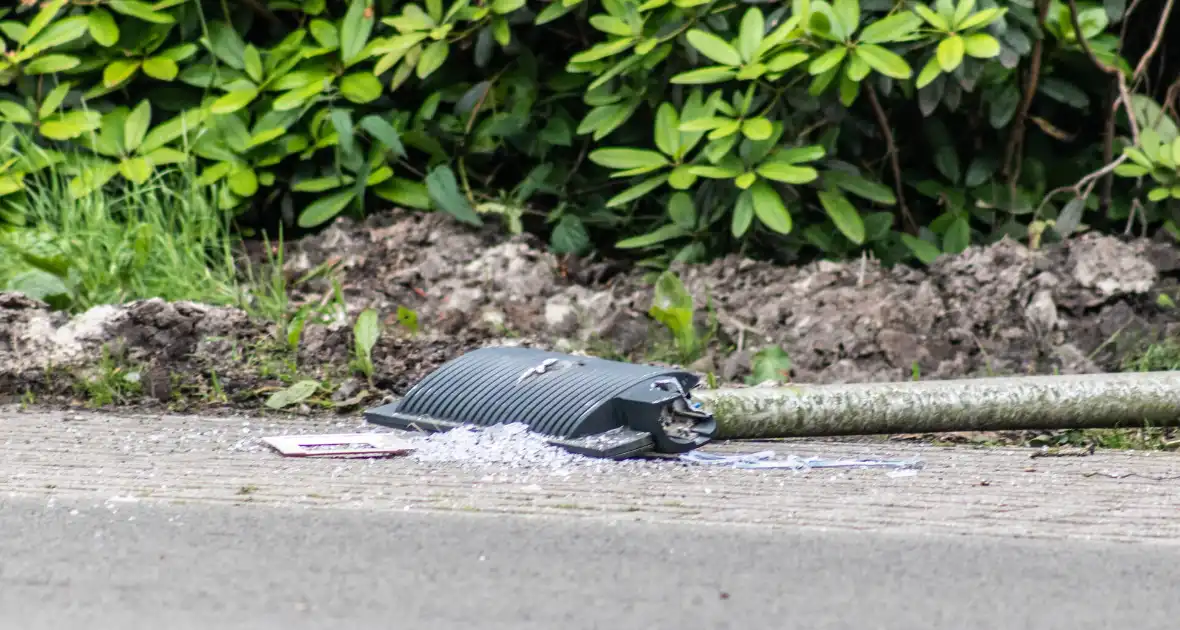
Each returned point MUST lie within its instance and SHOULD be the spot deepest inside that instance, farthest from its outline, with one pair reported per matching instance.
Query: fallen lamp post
(616, 410)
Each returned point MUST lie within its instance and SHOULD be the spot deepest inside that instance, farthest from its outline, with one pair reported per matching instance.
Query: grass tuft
(164, 238)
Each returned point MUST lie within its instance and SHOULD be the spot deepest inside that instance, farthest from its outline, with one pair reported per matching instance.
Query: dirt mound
(1002, 309)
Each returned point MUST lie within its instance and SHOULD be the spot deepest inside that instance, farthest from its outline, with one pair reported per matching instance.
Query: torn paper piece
(340, 445)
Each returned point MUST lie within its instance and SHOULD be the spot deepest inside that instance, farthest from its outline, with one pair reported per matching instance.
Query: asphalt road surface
(127, 522)
(216, 566)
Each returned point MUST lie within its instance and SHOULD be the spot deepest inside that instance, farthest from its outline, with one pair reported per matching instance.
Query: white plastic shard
(340, 445)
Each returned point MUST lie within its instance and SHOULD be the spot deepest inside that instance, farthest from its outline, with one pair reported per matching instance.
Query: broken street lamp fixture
(586, 405)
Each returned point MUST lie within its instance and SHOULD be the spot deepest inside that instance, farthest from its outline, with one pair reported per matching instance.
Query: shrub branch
(1014, 153)
(894, 164)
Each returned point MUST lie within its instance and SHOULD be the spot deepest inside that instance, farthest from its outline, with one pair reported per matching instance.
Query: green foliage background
(680, 129)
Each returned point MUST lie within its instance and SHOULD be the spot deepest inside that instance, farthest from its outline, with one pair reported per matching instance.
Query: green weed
(1160, 356)
(365, 333)
(111, 382)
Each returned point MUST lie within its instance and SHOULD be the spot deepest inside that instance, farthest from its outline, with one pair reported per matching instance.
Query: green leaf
(1064, 92)
(857, 68)
(635, 192)
(667, 131)
(885, 61)
(49, 64)
(102, 27)
(366, 332)
(1002, 106)
(41, 285)
(877, 225)
(136, 125)
(11, 183)
(186, 123)
(844, 215)
(769, 207)
(957, 237)
(1158, 194)
(432, 58)
(355, 30)
(659, 235)
(61, 32)
(244, 183)
(53, 100)
(928, 74)
(932, 18)
(796, 155)
(982, 18)
(781, 33)
(604, 50)
(861, 187)
(752, 29)
(827, 61)
(743, 214)
(325, 209)
(757, 129)
(847, 13)
(771, 363)
(1131, 170)
(702, 76)
(136, 170)
(894, 28)
(786, 60)
(950, 53)
(227, 45)
(13, 113)
(345, 132)
(321, 184)
(1139, 158)
(119, 71)
(624, 158)
(161, 68)
(962, 9)
(233, 101)
(714, 47)
(49, 10)
(325, 34)
(70, 125)
(1149, 142)
(682, 210)
(569, 236)
(141, 10)
(293, 395)
(1151, 116)
(444, 192)
(925, 251)
(360, 87)
(404, 192)
(553, 11)
(384, 132)
(164, 156)
(253, 62)
(786, 173)
(981, 46)
(1070, 217)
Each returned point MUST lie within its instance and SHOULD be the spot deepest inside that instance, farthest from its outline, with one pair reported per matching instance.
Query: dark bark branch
(894, 163)
(1124, 98)
(1156, 41)
(1014, 152)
